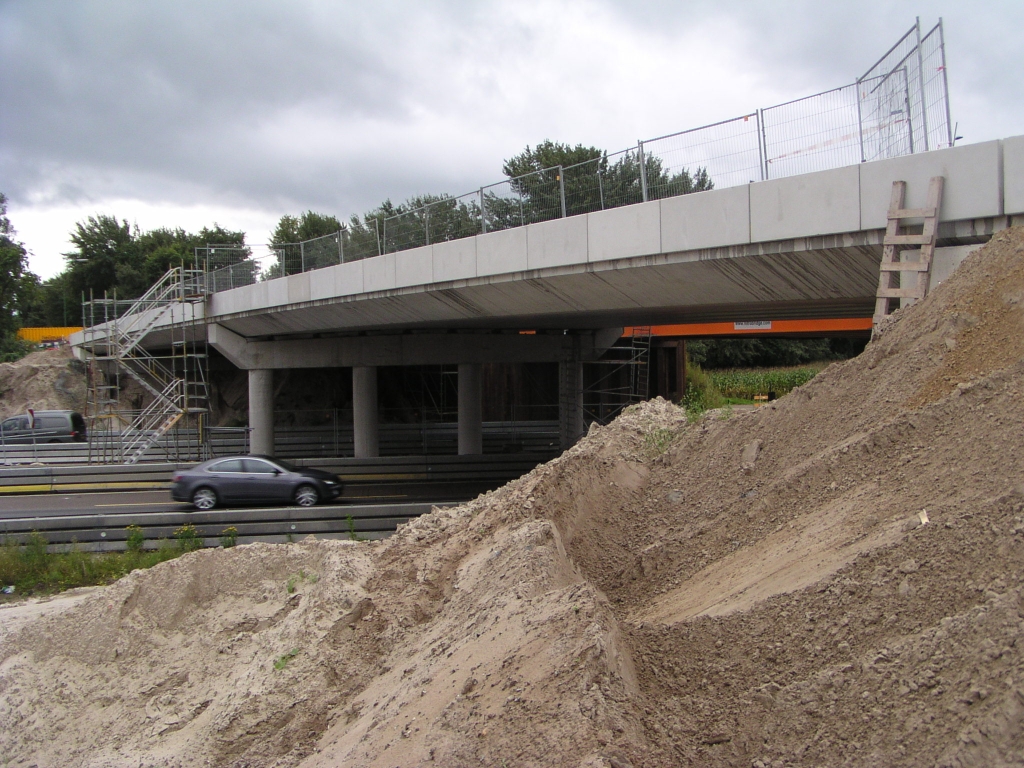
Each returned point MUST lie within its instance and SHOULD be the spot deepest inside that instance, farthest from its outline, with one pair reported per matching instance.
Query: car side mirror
(277, 471)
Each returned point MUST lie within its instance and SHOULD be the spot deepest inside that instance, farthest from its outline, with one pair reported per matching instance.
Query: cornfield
(744, 383)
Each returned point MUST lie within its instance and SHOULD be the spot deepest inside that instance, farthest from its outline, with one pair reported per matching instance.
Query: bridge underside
(835, 277)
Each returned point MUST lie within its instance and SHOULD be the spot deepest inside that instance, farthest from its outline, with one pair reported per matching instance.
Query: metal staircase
(174, 383)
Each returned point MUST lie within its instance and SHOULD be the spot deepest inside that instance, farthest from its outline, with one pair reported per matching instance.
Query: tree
(538, 176)
(15, 284)
(307, 241)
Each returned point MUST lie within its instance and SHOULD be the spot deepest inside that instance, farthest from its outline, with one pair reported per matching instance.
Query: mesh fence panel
(450, 218)
(724, 154)
(940, 132)
(812, 134)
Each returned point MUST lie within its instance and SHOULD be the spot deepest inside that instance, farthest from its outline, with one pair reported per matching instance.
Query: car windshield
(285, 465)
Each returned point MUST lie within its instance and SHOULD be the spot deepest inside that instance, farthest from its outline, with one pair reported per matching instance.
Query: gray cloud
(334, 106)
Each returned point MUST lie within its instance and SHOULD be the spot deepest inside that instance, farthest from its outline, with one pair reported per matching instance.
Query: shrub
(136, 539)
(229, 537)
(188, 538)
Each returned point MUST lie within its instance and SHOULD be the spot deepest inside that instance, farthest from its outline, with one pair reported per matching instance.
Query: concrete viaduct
(806, 246)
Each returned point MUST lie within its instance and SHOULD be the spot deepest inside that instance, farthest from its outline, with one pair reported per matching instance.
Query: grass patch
(32, 570)
(282, 661)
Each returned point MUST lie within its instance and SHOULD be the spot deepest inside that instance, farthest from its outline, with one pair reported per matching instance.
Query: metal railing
(899, 106)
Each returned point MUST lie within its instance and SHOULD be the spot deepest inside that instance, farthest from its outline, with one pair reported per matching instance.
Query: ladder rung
(907, 240)
(904, 266)
(900, 293)
(913, 213)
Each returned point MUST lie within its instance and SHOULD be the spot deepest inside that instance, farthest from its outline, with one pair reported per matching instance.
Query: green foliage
(657, 441)
(307, 226)
(31, 569)
(136, 539)
(229, 537)
(769, 353)
(701, 392)
(282, 661)
(18, 287)
(295, 579)
(352, 529)
(187, 538)
(743, 384)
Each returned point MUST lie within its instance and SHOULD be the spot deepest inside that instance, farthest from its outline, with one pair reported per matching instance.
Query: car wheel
(204, 498)
(306, 496)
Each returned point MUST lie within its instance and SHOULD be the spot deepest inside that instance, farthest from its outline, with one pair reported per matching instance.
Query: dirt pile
(46, 380)
(834, 579)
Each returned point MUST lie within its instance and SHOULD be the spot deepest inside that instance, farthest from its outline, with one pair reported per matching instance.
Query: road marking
(136, 504)
(393, 496)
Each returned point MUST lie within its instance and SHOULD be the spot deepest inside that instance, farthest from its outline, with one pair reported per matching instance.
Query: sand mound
(46, 380)
(831, 580)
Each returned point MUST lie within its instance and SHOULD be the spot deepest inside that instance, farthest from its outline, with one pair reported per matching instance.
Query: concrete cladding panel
(498, 253)
(298, 287)
(823, 203)
(379, 273)
(619, 233)
(414, 267)
(1013, 175)
(277, 292)
(455, 260)
(706, 219)
(556, 243)
(972, 188)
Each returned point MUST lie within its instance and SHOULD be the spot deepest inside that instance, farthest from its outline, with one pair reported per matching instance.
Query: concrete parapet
(414, 267)
(1013, 175)
(499, 253)
(973, 186)
(705, 219)
(454, 260)
(556, 243)
(621, 233)
(822, 203)
(379, 273)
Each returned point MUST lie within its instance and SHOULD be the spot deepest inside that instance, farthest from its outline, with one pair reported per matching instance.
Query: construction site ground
(830, 580)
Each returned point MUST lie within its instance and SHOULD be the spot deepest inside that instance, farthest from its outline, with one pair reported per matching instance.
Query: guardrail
(97, 533)
(322, 441)
(465, 471)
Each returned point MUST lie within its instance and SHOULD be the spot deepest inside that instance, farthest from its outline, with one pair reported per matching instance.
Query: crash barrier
(466, 472)
(97, 533)
(322, 441)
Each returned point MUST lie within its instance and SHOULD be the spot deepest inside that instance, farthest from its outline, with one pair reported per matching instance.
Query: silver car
(253, 480)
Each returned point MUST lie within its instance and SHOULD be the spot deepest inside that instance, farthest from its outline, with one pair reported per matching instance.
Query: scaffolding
(169, 412)
(619, 379)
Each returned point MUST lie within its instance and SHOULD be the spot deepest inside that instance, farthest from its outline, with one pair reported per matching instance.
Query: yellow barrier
(40, 335)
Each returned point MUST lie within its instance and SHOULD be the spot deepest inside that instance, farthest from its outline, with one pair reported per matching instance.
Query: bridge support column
(261, 411)
(365, 428)
(570, 402)
(471, 425)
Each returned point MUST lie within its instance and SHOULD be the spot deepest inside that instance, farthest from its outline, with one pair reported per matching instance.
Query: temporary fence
(899, 106)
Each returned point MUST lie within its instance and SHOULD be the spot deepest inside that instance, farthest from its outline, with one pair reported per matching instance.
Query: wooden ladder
(890, 285)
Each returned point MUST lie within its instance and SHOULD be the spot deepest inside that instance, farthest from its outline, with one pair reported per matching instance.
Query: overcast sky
(187, 113)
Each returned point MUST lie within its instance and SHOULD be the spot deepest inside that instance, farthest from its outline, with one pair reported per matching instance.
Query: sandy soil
(45, 380)
(834, 579)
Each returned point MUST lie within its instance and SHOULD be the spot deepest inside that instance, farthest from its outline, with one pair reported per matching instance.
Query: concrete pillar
(471, 423)
(365, 431)
(261, 412)
(570, 402)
